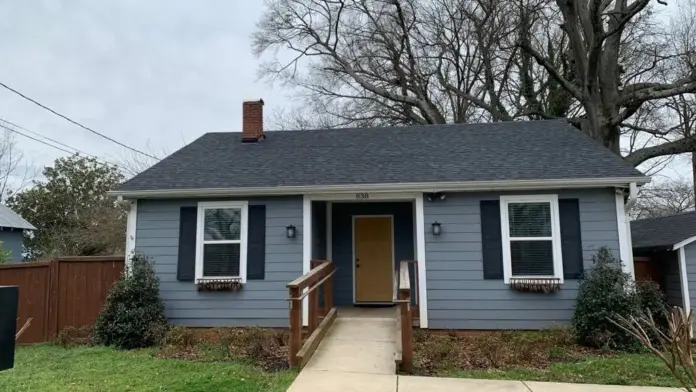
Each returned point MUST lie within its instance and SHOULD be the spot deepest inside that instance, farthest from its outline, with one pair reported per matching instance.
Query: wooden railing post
(406, 333)
(328, 295)
(295, 325)
(310, 285)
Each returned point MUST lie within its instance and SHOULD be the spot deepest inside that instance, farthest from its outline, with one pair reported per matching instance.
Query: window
(531, 237)
(221, 240)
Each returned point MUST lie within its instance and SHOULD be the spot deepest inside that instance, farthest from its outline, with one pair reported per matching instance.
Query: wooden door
(374, 259)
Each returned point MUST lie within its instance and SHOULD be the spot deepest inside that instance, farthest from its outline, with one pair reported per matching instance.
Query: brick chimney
(252, 119)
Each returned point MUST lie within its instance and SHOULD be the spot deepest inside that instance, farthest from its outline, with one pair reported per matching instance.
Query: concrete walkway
(357, 355)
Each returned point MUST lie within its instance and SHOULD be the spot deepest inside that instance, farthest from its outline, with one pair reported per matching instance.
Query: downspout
(632, 197)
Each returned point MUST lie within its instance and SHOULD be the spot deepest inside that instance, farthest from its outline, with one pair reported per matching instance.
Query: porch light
(290, 231)
(437, 228)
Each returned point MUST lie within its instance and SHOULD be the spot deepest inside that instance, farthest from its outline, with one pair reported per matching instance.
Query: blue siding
(261, 303)
(12, 240)
(319, 230)
(670, 277)
(342, 240)
(459, 297)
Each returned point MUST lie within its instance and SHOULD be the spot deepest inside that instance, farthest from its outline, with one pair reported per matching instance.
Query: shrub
(133, 315)
(652, 300)
(605, 292)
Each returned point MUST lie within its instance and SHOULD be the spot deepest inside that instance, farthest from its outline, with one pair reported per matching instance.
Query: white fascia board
(401, 187)
(684, 243)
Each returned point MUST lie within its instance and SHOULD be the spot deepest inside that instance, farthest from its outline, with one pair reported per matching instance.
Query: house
(12, 227)
(665, 252)
(486, 211)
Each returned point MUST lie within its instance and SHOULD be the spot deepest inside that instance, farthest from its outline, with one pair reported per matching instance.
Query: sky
(152, 74)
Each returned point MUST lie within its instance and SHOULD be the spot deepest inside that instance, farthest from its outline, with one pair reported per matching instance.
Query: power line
(75, 122)
(52, 140)
(45, 137)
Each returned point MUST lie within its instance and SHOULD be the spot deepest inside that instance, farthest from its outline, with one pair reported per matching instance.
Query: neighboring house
(12, 228)
(665, 251)
(487, 210)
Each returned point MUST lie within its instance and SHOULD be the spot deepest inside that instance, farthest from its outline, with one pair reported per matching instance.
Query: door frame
(393, 261)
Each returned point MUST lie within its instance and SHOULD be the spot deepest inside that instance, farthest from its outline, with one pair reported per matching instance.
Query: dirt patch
(75, 336)
(265, 348)
(436, 351)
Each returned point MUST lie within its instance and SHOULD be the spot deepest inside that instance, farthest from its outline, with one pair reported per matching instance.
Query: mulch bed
(436, 351)
(261, 347)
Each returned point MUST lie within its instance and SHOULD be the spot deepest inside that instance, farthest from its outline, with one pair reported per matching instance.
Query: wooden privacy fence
(63, 292)
(320, 276)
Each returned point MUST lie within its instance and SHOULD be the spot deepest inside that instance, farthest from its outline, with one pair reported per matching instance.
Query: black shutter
(256, 239)
(569, 211)
(186, 264)
(491, 240)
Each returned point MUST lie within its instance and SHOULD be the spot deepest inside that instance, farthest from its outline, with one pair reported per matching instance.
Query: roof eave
(396, 187)
(684, 243)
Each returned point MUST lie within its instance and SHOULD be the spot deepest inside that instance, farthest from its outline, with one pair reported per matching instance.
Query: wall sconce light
(435, 196)
(290, 231)
(437, 228)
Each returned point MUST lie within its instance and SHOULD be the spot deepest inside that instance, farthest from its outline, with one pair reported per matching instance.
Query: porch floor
(361, 312)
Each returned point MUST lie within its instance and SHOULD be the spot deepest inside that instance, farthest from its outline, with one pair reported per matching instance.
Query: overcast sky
(161, 72)
(154, 74)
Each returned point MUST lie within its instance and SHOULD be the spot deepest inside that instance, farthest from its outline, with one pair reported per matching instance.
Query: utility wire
(49, 144)
(75, 122)
(45, 137)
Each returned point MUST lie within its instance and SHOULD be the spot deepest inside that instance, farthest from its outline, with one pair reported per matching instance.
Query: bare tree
(385, 62)
(664, 198)
(672, 345)
(15, 173)
(133, 163)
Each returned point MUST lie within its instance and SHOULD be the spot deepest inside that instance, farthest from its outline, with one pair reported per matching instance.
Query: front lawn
(533, 356)
(53, 368)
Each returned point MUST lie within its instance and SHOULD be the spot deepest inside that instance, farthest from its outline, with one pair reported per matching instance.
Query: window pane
(530, 219)
(220, 260)
(531, 258)
(222, 223)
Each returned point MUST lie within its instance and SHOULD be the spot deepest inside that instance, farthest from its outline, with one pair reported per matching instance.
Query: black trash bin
(9, 295)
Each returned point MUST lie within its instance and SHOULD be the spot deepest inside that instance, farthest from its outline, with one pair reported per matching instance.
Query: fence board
(64, 292)
(32, 280)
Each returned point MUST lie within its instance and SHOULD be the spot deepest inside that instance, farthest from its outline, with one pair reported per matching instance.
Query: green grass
(623, 369)
(53, 368)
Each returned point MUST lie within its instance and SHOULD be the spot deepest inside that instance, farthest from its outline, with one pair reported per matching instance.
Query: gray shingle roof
(414, 154)
(663, 232)
(9, 218)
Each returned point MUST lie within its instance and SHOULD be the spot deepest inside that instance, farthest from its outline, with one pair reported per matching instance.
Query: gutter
(397, 187)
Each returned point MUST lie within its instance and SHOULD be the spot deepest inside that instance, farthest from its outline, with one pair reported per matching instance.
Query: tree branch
(680, 146)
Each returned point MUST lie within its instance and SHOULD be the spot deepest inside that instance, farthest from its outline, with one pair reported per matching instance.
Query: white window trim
(202, 206)
(555, 234)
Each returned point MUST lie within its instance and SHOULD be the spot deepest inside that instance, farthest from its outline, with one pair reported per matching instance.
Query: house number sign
(362, 196)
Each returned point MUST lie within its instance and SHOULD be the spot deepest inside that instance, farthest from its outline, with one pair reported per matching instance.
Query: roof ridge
(398, 127)
(664, 217)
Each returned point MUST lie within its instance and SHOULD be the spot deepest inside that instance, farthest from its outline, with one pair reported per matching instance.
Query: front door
(374, 259)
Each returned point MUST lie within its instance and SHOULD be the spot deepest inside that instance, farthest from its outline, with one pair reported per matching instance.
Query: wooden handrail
(320, 276)
(311, 277)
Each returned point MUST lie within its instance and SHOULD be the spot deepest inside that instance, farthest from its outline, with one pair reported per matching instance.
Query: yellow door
(374, 261)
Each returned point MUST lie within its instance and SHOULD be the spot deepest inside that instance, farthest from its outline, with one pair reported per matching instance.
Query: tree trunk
(693, 170)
